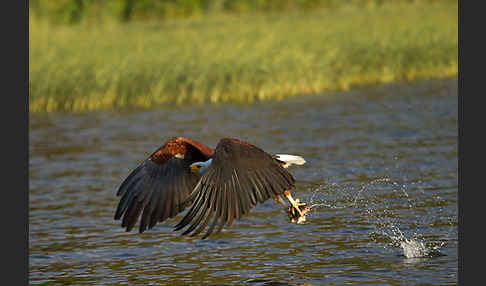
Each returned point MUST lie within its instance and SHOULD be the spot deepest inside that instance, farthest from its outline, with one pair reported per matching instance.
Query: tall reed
(245, 59)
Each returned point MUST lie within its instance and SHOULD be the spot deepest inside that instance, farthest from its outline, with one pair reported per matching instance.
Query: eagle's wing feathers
(160, 186)
(239, 177)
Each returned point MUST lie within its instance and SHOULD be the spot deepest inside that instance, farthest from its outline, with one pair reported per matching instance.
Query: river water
(381, 177)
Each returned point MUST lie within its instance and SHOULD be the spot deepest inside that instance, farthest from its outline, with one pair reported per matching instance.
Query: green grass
(237, 59)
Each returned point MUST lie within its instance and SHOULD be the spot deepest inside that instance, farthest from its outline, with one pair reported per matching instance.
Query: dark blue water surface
(381, 172)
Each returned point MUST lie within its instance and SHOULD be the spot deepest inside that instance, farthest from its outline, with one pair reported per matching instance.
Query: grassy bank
(237, 59)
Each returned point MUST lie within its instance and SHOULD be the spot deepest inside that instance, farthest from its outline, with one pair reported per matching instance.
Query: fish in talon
(298, 216)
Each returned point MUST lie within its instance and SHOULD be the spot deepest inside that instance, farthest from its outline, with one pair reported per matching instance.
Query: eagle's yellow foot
(297, 210)
(298, 215)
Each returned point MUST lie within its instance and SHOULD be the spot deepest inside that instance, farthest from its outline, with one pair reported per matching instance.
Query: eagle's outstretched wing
(240, 176)
(160, 186)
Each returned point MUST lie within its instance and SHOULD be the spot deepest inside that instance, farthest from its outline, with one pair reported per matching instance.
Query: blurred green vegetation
(212, 56)
(75, 11)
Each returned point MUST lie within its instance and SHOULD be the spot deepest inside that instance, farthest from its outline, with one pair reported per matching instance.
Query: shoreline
(248, 59)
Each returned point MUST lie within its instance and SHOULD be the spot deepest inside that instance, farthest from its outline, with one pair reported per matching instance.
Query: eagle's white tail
(290, 159)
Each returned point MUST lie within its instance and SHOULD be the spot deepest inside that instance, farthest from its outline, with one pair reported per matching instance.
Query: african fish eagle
(221, 184)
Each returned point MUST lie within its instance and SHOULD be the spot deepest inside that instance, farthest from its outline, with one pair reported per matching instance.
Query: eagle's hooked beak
(200, 167)
(195, 168)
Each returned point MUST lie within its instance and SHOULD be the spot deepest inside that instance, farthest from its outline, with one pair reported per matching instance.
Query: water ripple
(380, 177)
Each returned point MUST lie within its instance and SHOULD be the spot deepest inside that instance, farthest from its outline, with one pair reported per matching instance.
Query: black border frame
(16, 138)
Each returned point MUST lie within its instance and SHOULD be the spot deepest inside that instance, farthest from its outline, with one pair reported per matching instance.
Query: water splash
(412, 247)
(380, 212)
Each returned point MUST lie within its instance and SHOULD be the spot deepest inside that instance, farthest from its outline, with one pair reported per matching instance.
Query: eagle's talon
(298, 216)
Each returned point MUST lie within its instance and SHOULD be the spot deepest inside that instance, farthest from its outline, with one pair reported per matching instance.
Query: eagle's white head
(200, 167)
